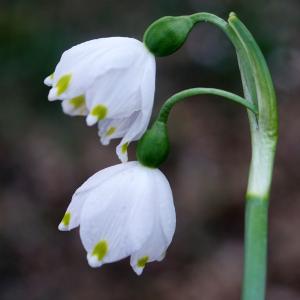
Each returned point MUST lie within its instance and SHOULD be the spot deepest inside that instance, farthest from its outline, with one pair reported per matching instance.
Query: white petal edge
(70, 110)
(48, 80)
(120, 126)
(81, 194)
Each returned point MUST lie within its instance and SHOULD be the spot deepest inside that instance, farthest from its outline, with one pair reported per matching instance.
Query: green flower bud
(168, 34)
(153, 147)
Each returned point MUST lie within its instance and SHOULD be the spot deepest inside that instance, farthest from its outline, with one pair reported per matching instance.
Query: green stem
(255, 258)
(207, 17)
(215, 20)
(168, 105)
(258, 87)
(256, 219)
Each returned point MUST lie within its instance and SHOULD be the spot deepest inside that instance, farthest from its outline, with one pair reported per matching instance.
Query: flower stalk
(169, 103)
(153, 148)
(257, 84)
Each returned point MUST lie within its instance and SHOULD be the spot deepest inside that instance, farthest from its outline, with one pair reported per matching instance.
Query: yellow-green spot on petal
(142, 261)
(111, 131)
(51, 76)
(100, 250)
(66, 219)
(124, 148)
(99, 111)
(63, 84)
(77, 102)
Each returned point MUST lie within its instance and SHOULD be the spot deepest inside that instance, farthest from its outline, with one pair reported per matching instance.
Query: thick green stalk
(258, 87)
(256, 217)
(255, 257)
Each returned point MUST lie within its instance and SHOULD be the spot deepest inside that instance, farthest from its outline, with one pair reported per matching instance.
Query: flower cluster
(110, 81)
(127, 209)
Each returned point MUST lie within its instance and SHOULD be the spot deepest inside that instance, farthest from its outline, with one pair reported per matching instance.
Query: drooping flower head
(111, 81)
(124, 210)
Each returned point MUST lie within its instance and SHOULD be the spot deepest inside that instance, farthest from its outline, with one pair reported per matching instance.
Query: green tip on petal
(100, 250)
(142, 261)
(63, 84)
(124, 148)
(77, 102)
(99, 111)
(66, 219)
(111, 131)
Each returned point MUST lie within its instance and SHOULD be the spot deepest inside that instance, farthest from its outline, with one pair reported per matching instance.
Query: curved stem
(207, 17)
(215, 20)
(168, 105)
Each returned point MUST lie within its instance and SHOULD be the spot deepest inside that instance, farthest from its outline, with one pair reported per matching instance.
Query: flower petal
(86, 61)
(118, 214)
(143, 212)
(75, 106)
(153, 249)
(140, 125)
(114, 128)
(117, 90)
(165, 221)
(165, 205)
(49, 80)
(71, 218)
(117, 54)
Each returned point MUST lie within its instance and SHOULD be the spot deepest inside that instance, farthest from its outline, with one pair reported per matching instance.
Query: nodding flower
(124, 210)
(110, 81)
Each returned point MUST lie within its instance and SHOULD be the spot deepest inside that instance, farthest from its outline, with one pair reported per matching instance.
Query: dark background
(45, 155)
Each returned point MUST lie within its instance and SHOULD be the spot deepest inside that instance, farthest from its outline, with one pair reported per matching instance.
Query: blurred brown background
(45, 155)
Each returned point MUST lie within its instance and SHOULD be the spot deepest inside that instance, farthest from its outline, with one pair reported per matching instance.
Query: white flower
(124, 210)
(111, 81)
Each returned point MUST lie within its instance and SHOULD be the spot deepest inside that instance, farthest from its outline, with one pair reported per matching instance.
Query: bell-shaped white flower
(111, 81)
(124, 210)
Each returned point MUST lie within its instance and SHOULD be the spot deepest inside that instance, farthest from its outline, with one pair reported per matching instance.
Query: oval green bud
(153, 147)
(167, 35)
